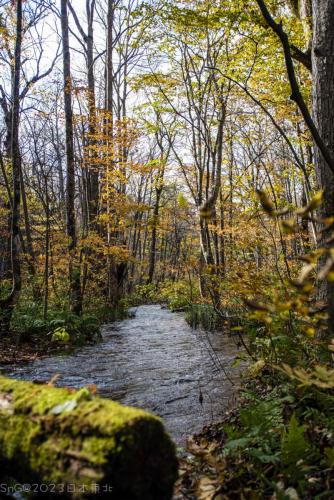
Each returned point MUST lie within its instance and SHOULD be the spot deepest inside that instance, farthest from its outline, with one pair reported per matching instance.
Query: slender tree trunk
(155, 221)
(112, 292)
(93, 193)
(109, 69)
(222, 236)
(156, 210)
(74, 272)
(6, 307)
(29, 241)
(47, 251)
(5, 264)
(57, 147)
(116, 272)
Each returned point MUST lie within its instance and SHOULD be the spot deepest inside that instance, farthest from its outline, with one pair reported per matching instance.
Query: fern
(294, 446)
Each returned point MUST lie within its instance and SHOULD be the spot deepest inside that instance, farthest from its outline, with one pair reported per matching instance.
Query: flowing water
(154, 361)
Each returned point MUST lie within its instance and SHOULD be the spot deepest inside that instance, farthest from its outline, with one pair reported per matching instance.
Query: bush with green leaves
(202, 315)
(29, 323)
(80, 328)
(282, 437)
(143, 294)
(61, 336)
(177, 294)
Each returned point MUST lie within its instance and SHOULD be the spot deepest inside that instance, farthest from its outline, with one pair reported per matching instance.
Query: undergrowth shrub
(28, 322)
(202, 315)
(177, 295)
(283, 441)
(143, 294)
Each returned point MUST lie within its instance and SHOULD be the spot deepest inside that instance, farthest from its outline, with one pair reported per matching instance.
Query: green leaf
(60, 335)
(182, 201)
(329, 453)
(238, 443)
(265, 458)
(294, 445)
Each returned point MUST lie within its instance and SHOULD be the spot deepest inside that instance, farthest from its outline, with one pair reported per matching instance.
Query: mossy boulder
(82, 444)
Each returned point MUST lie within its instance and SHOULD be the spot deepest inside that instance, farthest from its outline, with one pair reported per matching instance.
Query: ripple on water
(154, 361)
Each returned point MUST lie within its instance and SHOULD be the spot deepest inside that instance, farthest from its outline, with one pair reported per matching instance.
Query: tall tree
(31, 72)
(9, 302)
(87, 42)
(74, 271)
(158, 187)
(323, 113)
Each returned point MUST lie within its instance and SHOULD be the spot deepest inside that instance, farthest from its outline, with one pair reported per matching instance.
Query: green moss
(95, 449)
(61, 436)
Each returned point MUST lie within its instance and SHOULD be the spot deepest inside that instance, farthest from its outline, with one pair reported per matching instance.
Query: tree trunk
(47, 251)
(155, 221)
(323, 113)
(83, 444)
(6, 306)
(116, 272)
(109, 68)
(93, 200)
(29, 241)
(74, 272)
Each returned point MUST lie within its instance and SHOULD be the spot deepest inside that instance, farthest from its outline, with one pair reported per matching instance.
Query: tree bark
(47, 251)
(323, 113)
(159, 181)
(6, 306)
(92, 174)
(74, 272)
(93, 200)
(155, 222)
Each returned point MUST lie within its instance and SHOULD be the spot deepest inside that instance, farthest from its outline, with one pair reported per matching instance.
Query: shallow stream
(154, 361)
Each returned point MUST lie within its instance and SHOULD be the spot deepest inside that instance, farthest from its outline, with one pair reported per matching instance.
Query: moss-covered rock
(83, 444)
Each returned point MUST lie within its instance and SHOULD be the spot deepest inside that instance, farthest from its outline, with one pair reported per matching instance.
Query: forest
(166, 179)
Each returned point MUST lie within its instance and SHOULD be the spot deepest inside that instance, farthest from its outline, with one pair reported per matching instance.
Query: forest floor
(18, 351)
(200, 473)
(282, 449)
